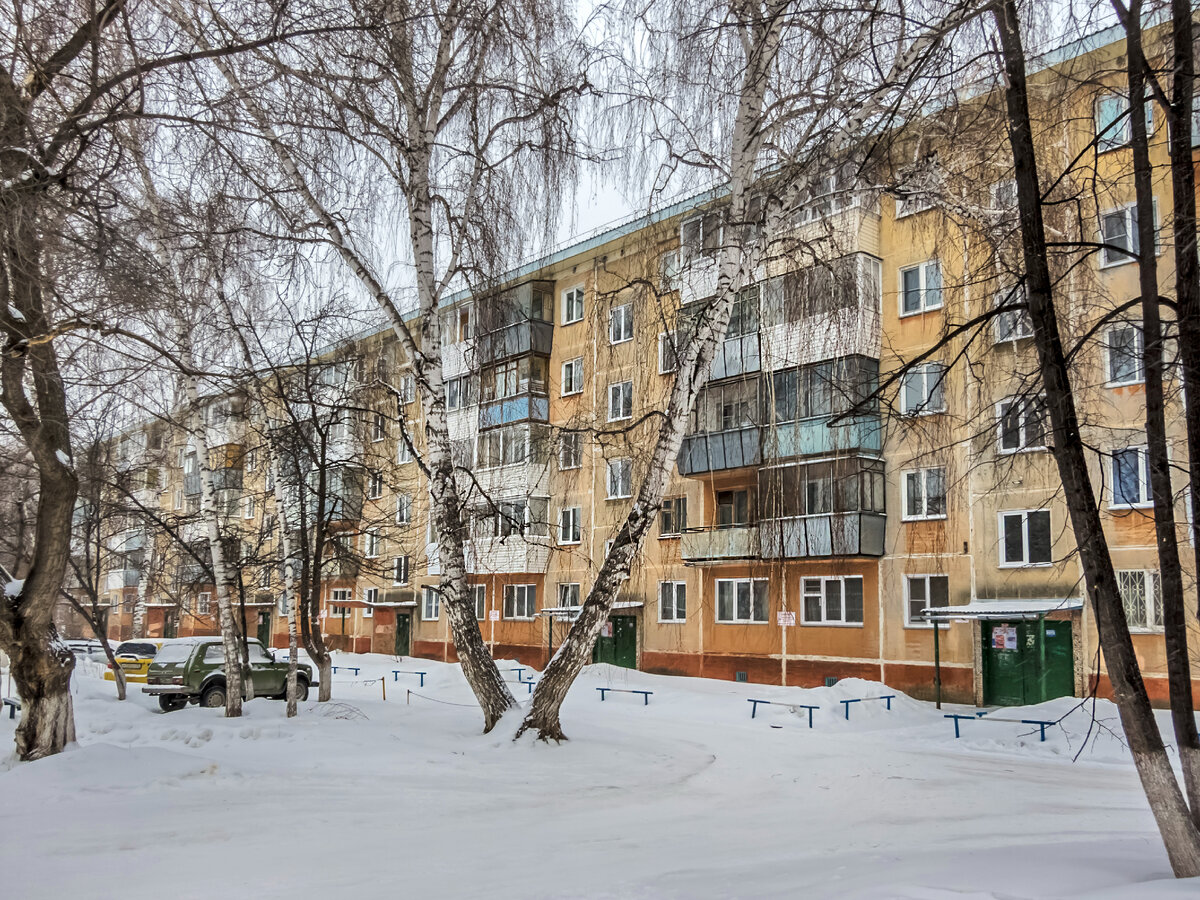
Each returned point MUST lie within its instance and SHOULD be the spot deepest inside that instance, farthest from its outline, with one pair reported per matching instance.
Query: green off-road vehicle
(193, 671)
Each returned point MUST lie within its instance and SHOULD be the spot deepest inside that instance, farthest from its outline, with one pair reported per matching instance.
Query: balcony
(511, 555)
(720, 544)
(121, 578)
(191, 573)
(720, 450)
(814, 537)
(226, 479)
(736, 356)
(815, 437)
(528, 336)
(509, 410)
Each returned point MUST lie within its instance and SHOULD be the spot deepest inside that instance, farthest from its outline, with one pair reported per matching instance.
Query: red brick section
(1155, 687)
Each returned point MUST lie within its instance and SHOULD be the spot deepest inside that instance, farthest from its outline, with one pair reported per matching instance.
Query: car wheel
(301, 690)
(213, 696)
(171, 703)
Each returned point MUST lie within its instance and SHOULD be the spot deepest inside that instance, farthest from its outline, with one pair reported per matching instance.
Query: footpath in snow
(684, 797)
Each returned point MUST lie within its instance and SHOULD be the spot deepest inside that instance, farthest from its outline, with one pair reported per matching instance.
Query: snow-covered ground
(687, 797)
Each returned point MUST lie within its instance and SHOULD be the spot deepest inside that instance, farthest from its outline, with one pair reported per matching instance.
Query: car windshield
(174, 653)
(137, 648)
(257, 653)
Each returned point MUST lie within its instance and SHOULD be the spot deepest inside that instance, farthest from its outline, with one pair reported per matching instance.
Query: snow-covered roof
(1004, 609)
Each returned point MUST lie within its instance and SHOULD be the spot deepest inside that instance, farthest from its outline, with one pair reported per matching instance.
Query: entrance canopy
(1004, 609)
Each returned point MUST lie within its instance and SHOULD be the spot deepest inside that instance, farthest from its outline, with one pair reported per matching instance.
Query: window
(214, 653)
(400, 570)
(178, 504)
(403, 509)
(461, 392)
(741, 600)
(568, 524)
(620, 324)
(479, 598)
(913, 202)
(1125, 348)
(430, 604)
(1141, 595)
(375, 485)
(620, 478)
(572, 305)
(404, 451)
(743, 315)
(925, 494)
(1112, 121)
(835, 600)
(572, 377)
(672, 518)
(520, 601)
(668, 352)
(407, 389)
(202, 600)
(371, 544)
(822, 389)
(733, 508)
(815, 489)
(1119, 234)
(504, 447)
(568, 595)
(248, 507)
(668, 271)
(1012, 324)
(620, 401)
(1003, 194)
(1020, 424)
(699, 236)
(921, 288)
(1025, 538)
(378, 427)
(570, 450)
(672, 601)
(1130, 477)
(922, 592)
(922, 390)
(370, 597)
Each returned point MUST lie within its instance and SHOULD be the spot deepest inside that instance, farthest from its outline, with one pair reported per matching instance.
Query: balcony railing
(719, 450)
(835, 534)
(531, 336)
(736, 356)
(509, 410)
(815, 437)
(511, 555)
(720, 544)
(226, 479)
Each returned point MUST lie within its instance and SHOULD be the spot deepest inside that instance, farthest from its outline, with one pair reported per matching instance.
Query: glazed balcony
(823, 536)
(515, 339)
(509, 555)
(526, 407)
(719, 451)
(720, 544)
(816, 437)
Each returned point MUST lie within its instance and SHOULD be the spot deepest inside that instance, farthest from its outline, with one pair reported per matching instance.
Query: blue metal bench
(354, 669)
(984, 717)
(754, 707)
(519, 670)
(396, 673)
(13, 706)
(886, 698)
(645, 694)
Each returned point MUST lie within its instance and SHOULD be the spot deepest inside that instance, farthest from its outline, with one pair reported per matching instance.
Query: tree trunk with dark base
(1179, 833)
(41, 668)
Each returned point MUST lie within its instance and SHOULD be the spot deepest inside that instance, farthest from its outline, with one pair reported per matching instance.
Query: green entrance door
(264, 629)
(1027, 662)
(617, 643)
(403, 633)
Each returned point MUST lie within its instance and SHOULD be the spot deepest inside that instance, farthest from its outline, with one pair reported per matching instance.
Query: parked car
(134, 658)
(193, 671)
(84, 649)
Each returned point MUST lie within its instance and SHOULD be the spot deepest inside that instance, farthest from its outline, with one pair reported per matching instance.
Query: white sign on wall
(494, 615)
(785, 619)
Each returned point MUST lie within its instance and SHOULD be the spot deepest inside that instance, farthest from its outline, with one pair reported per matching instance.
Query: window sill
(832, 624)
(918, 626)
(1000, 451)
(518, 618)
(1119, 384)
(940, 518)
(613, 343)
(921, 413)
(1131, 507)
(563, 468)
(571, 393)
(569, 543)
(1024, 565)
(740, 622)
(572, 321)
(672, 621)
(622, 497)
(673, 536)
(1145, 630)
(628, 418)
(920, 312)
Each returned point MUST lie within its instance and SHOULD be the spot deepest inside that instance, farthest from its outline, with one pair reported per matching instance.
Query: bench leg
(646, 699)
(422, 679)
(810, 712)
(888, 700)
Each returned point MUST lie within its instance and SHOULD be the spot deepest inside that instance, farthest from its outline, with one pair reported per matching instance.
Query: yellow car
(134, 658)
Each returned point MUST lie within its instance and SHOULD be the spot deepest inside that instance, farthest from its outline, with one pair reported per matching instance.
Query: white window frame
(678, 601)
(933, 375)
(374, 484)
(564, 592)
(924, 478)
(663, 349)
(1132, 236)
(1024, 562)
(1123, 134)
(572, 377)
(825, 621)
(431, 604)
(1146, 496)
(248, 506)
(622, 393)
(1151, 587)
(736, 620)
(622, 462)
(620, 324)
(378, 428)
(562, 438)
(203, 602)
(570, 524)
(407, 388)
(524, 598)
(339, 603)
(1024, 446)
(923, 269)
(178, 504)
(569, 296)
(370, 597)
(479, 600)
(371, 543)
(909, 621)
(404, 509)
(1010, 326)
(402, 567)
(1139, 355)
(677, 526)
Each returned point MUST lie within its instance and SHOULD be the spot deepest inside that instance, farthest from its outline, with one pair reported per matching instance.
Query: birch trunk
(575, 651)
(285, 543)
(1179, 676)
(1179, 833)
(139, 606)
